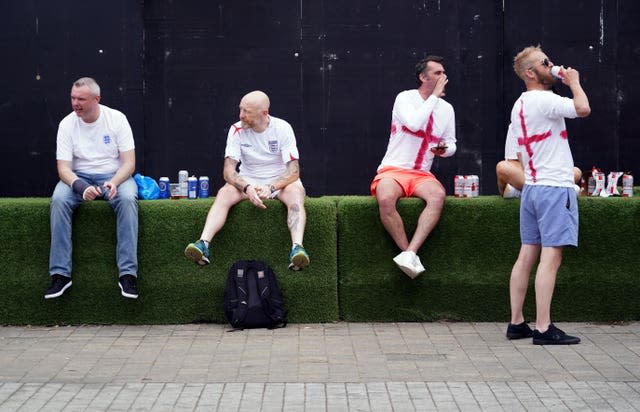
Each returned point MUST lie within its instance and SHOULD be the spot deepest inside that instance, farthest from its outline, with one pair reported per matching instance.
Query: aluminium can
(458, 185)
(183, 175)
(164, 183)
(627, 185)
(203, 187)
(471, 186)
(192, 183)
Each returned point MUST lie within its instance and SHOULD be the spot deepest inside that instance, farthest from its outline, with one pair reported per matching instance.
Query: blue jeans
(63, 203)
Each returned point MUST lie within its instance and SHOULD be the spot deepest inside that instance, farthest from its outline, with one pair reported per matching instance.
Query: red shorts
(408, 179)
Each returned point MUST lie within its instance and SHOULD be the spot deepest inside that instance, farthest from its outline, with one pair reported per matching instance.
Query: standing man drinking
(548, 206)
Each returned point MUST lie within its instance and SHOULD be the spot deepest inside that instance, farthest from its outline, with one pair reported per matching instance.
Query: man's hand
(439, 149)
(113, 189)
(438, 90)
(92, 193)
(571, 76)
(254, 197)
(263, 191)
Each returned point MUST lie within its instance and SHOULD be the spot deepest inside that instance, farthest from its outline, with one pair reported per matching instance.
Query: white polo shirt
(263, 155)
(94, 147)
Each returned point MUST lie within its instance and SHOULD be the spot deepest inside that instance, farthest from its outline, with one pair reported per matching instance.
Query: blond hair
(522, 61)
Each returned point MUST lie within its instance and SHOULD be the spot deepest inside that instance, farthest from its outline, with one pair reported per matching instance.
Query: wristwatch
(272, 188)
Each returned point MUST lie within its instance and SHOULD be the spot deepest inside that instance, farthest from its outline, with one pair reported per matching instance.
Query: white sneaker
(418, 265)
(409, 263)
(510, 192)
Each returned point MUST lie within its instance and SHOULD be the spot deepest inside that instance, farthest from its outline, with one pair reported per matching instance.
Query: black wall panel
(45, 46)
(331, 68)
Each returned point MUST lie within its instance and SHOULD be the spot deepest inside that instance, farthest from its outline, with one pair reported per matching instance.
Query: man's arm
(232, 176)
(290, 175)
(580, 100)
(126, 169)
(67, 175)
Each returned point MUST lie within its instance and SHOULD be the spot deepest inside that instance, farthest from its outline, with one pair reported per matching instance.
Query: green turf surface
(172, 289)
(468, 260)
(352, 276)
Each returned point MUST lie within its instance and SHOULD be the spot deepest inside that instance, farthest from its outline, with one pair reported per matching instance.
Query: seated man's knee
(386, 203)
(502, 168)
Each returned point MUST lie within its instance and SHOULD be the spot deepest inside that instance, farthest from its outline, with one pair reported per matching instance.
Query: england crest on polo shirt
(106, 139)
(273, 146)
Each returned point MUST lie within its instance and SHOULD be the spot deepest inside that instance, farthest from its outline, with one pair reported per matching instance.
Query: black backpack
(252, 297)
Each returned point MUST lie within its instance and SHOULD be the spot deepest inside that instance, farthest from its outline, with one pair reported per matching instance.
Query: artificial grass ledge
(172, 289)
(351, 277)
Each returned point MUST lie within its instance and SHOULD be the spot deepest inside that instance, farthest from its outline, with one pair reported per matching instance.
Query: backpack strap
(242, 293)
(264, 289)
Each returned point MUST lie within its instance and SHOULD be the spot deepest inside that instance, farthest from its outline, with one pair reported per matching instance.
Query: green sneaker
(299, 258)
(197, 252)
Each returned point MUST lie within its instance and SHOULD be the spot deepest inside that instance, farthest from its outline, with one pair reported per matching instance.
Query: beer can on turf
(591, 186)
(183, 175)
(203, 187)
(458, 185)
(192, 183)
(164, 187)
(474, 190)
(627, 185)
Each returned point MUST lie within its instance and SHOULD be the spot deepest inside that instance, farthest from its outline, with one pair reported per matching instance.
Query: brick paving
(317, 367)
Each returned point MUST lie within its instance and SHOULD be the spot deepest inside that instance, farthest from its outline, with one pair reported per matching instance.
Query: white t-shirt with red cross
(263, 155)
(417, 125)
(94, 147)
(538, 128)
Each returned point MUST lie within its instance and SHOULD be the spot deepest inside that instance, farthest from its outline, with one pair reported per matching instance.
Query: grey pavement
(317, 367)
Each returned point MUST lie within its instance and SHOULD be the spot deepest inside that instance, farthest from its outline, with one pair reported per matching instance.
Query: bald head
(256, 99)
(254, 110)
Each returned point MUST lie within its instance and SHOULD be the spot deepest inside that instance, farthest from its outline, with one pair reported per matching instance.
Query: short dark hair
(422, 64)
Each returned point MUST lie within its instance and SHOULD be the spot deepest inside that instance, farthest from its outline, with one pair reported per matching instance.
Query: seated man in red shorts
(422, 127)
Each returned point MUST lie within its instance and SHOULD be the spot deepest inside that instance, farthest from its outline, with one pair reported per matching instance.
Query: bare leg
(293, 197)
(433, 194)
(388, 192)
(577, 175)
(509, 171)
(519, 281)
(550, 260)
(226, 198)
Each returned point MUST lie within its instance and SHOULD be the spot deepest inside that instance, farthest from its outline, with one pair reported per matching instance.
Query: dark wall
(331, 68)
(45, 46)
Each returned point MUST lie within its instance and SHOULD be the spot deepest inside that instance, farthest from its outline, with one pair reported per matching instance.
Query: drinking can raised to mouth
(203, 187)
(193, 187)
(164, 183)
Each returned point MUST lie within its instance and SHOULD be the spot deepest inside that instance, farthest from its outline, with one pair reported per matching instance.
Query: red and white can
(471, 186)
(458, 185)
(598, 183)
(627, 185)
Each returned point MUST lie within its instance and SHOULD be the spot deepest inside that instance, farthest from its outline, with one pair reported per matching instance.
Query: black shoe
(553, 336)
(519, 331)
(128, 286)
(59, 284)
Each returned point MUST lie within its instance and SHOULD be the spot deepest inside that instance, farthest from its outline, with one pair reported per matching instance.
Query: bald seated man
(265, 147)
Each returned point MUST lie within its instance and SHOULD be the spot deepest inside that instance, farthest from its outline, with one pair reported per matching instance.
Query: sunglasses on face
(545, 63)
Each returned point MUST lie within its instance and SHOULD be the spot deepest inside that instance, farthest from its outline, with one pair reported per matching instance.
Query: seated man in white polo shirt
(266, 148)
